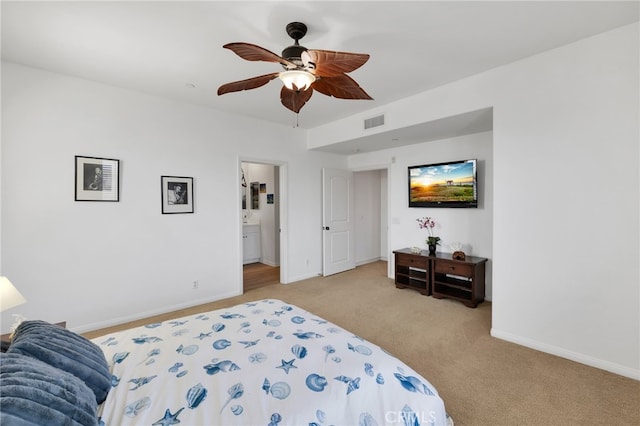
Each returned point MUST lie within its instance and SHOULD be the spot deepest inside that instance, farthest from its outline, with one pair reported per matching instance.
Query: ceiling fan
(305, 70)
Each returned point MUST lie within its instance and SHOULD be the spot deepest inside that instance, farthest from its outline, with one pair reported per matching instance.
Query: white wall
(384, 215)
(573, 129)
(98, 263)
(566, 194)
(470, 227)
(367, 206)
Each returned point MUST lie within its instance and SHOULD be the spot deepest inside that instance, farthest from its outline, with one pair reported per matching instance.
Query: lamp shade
(297, 79)
(9, 295)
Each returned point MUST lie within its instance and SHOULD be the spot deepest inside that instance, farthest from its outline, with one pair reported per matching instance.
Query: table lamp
(9, 295)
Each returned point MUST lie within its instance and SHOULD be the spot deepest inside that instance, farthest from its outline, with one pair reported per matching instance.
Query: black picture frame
(176, 194)
(97, 179)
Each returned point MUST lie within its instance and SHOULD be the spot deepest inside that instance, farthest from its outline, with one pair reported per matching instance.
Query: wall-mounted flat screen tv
(450, 184)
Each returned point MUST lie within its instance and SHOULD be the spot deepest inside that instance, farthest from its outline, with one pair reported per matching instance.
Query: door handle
(325, 228)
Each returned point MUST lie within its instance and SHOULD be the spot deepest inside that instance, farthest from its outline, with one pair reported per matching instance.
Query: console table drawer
(453, 268)
(413, 261)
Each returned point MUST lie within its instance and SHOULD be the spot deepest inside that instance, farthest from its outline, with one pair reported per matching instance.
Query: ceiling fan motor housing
(296, 30)
(293, 53)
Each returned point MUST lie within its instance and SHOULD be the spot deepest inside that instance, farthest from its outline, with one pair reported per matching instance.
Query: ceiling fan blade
(295, 100)
(341, 86)
(250, 83)
(327, 63)
(251, 52)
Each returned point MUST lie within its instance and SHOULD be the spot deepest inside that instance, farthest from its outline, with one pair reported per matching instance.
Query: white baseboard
(571, 355)
(146, 314)
(303, 277)
(364, 262)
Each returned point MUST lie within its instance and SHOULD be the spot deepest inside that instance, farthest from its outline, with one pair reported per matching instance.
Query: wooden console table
(441, 276)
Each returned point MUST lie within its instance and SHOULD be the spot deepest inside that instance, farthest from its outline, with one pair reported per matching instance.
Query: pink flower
(426, 222)
(429, 224)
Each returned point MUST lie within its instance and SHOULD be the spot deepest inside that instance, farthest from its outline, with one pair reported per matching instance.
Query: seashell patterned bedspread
(261, 363)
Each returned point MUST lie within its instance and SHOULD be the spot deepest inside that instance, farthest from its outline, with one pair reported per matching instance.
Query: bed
(261, 363)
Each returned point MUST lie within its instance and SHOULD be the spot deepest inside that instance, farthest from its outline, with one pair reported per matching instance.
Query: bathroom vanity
(250, 243)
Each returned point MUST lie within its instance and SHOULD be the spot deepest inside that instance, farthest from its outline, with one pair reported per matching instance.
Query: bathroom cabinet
(250, 243)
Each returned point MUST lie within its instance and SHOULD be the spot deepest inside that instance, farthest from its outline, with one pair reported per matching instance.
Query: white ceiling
(165, 48)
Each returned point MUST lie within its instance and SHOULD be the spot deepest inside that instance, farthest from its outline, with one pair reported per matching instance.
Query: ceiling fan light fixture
(297, 79)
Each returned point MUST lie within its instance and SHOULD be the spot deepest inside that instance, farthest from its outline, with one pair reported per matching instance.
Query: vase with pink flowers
(432, 241)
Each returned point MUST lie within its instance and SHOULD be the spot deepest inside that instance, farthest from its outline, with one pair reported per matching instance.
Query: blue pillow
(66, 351)
(35, 393)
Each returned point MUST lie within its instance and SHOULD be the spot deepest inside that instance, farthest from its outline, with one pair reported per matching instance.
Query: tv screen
(450, 184)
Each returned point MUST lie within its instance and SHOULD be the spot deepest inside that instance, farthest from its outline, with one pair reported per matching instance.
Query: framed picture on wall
(177, 194)
(97, 179)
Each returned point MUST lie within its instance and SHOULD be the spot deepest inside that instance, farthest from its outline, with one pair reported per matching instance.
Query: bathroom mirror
(255, 195)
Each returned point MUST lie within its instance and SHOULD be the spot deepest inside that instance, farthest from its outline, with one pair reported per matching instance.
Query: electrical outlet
(196, 284)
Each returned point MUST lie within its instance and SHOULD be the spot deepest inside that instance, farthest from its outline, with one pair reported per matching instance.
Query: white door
(337, 221)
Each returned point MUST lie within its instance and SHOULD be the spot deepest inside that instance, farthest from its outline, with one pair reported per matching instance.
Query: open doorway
(371, 217)
(261, 205)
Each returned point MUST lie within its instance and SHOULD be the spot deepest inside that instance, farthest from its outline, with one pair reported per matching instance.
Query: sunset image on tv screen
(443, 183)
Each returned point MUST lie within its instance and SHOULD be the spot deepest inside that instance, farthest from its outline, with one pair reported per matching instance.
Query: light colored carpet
(483, 380)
